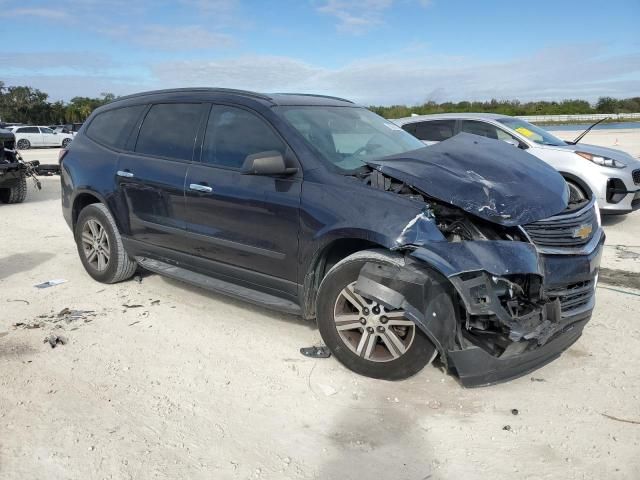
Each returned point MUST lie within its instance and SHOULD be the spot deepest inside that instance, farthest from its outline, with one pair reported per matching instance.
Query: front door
(151, 178)
(49, 138)
(249, 222)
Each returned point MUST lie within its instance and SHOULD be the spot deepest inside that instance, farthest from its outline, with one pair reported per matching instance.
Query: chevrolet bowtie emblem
(583, 231)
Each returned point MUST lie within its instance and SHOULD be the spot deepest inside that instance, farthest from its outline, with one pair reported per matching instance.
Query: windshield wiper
(579, 137)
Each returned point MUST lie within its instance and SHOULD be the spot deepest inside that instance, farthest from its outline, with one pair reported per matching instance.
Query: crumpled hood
(487, 178)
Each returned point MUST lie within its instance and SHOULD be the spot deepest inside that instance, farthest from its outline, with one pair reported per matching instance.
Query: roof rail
(233, 91)
(314, 95)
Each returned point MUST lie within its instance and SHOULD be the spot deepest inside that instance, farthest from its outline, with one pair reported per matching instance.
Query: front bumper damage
(495, 310)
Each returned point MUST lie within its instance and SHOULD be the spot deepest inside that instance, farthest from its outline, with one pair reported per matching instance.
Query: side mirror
(266, 163)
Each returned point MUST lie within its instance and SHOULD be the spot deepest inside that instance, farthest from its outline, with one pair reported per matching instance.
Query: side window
(112, 128)
(233, 134)
(169, 130)
(433, 130)
(46, 130)
(484, 129)
(28, 130)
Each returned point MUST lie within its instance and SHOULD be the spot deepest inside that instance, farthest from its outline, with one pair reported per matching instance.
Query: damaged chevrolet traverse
(469, 250)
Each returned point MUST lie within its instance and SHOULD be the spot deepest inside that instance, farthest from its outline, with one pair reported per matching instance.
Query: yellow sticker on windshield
(525, 131)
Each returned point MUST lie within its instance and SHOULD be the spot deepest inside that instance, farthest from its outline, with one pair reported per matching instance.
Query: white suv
(612, 175)
(28, 136)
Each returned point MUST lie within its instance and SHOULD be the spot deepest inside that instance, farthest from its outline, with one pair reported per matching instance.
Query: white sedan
(36, 136)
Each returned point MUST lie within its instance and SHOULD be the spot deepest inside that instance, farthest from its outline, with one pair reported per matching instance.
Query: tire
(16, 191)
(576, 192)
(419, 349)
(66, 142)
(23, 144)
(118, 266)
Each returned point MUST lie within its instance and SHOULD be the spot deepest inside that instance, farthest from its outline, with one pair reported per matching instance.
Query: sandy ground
(194, 385)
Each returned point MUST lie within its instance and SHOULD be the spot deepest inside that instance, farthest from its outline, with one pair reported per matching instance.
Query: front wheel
(100, 246)
(362, 334)
(23, 144)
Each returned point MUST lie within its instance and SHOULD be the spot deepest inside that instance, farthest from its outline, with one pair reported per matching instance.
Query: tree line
(21, 104)
(516, 108)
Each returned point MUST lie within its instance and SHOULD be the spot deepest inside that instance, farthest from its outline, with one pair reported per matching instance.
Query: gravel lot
(163, 380)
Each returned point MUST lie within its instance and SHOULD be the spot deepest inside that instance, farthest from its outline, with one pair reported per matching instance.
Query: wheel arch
(578, 181)
(322, 261)
(81, 200)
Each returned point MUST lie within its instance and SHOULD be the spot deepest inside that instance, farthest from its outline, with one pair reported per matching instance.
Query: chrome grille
(636, 176)
(573, 297)
(564, 230)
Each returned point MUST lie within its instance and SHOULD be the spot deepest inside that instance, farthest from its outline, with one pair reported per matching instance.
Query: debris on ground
(624, 420)
(535, 379)
(66, 315)
(507, 428)
(132, 306)
(133, 323)
(51, 283)
(155, 302)
(138, 278)
(55, 340)
(316, 352)
(514, 411)
(19, 300)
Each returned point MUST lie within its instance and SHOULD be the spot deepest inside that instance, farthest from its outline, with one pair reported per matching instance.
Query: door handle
(124, 173)
(200, 188)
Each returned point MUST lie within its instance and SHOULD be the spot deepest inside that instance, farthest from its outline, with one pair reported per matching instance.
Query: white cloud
(356, 16)
(547, 74)
(176, 38)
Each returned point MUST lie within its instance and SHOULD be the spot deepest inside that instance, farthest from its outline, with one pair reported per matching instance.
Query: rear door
(30, 133)
(248, 223)
(151, 177)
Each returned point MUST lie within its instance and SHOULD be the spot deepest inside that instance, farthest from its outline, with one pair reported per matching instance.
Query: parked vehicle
(613, 175)
(312, 205)
(14, 171)
(71, 128)
(29, 136)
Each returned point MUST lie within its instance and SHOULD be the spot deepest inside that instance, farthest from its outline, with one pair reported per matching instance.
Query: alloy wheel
(370, 330)
(95, 245)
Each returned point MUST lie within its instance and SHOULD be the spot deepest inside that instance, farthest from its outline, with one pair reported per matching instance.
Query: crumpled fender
(497, 257)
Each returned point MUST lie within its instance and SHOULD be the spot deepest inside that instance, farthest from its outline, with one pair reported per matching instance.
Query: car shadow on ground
(208, 295)
(610, 220)
(21, 262)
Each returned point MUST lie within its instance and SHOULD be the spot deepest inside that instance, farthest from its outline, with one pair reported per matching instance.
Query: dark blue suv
(470, 249)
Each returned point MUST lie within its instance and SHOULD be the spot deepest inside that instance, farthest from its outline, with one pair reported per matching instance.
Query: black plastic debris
(514, 411)
(507, 428)
(55, 340)
(316, 352)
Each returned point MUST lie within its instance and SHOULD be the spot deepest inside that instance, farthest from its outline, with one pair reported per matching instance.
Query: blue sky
(373, 51)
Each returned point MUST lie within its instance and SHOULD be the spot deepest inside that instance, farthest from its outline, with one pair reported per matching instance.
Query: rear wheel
(15, 191)
(100, 246)
(363, 335)
(66, 142)
(23, 144)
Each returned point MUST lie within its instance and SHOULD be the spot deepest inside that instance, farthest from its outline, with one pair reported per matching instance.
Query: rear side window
(432, 131)
(28, 130)
(485, 130)
(233, 134)
(169, 130)
(112, 128)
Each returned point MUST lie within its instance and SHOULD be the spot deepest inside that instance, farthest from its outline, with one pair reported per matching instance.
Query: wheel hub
(369, 329)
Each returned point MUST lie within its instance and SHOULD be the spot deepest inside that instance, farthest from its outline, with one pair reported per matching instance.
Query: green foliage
(29, 105)
(515, 107)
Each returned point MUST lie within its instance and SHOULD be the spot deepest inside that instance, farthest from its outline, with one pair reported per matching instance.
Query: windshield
(349, 136)
(533, 133)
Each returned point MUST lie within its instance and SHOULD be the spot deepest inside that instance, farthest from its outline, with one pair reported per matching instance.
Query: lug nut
(363, 321)
(376, 310)
(384, 319)
(365, 310)
(381, 329)
(370, 329)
